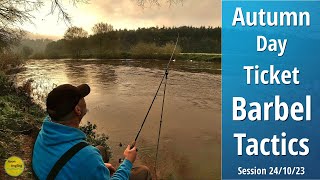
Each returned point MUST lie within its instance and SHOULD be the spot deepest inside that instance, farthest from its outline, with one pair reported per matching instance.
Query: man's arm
(123, 172)
(124, 169)
(96, 169)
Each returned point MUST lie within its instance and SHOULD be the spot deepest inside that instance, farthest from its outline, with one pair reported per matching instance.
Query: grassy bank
(20, 120)
(125, 55)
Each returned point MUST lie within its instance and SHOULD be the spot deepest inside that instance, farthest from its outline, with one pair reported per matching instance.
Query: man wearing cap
(60, 150)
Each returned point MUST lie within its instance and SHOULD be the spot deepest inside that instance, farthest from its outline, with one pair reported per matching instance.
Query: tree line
(106, 41)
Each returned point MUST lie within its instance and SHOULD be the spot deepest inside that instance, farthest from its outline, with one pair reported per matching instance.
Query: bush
(38, 55)
(144, 48)
(5, 85)
(168, 49)
(151, 48)
(9, 59)
(95, 139)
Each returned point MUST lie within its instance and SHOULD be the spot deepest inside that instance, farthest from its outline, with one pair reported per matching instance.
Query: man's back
(55, 139)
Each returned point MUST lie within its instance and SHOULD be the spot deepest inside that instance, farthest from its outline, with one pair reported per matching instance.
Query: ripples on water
(121, 92)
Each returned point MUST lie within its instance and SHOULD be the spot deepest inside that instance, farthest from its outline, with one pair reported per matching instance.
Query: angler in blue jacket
(60, 133)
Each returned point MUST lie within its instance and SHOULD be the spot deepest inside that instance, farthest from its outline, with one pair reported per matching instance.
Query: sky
(125, 14)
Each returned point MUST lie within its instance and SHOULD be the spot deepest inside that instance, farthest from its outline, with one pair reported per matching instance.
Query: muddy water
(121, 92)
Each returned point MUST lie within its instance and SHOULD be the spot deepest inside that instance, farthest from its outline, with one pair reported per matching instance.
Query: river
(121, 92)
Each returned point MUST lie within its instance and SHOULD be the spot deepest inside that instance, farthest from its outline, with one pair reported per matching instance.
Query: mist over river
(121, 92)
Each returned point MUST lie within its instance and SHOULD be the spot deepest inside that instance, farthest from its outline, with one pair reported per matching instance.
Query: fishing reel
(131, 146)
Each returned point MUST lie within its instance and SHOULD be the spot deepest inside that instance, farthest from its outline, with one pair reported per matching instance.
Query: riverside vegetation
(195, 43)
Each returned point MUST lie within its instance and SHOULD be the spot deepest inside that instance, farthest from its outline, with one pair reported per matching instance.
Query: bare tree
(13, 13)
(101, 28)
(76, 40)
(143, 3)
(74, 32)
(58, 5)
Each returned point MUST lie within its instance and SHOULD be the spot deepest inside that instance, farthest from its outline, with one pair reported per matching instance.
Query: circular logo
(14, 166)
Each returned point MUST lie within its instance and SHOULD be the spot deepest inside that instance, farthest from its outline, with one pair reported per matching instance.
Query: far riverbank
(210, 57)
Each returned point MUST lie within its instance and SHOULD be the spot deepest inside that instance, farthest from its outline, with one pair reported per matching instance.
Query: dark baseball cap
(63, 99)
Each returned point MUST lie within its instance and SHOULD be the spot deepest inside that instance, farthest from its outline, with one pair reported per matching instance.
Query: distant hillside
(32, 47)
(30, 35)
(38, 45)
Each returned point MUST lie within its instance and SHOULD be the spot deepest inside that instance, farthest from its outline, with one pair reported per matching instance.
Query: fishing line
(162, 107)
(164, 78)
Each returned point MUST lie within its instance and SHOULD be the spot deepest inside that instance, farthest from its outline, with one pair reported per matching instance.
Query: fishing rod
(164, 77)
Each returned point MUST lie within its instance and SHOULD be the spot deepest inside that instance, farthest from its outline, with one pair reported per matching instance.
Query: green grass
(127, 55)
(200, 57)
(18, 114)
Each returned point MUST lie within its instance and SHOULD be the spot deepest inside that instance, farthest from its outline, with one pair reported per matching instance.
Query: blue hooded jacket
(55, 139)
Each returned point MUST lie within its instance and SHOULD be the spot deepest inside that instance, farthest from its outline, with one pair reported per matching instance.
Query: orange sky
(127, 14)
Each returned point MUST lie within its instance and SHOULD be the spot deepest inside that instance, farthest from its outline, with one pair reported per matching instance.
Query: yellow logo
(14, 166)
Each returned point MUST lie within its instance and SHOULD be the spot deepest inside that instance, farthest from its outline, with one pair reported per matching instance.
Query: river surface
(121, 92)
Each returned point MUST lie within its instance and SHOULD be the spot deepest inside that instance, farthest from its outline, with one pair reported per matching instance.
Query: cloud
(127, 14)
(190, 12)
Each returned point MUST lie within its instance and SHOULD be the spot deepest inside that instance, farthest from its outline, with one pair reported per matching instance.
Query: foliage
(152, 48)
(200, 57)
(168, 48)
(38, 55)
(12, 13)
(143, 3)
(56, 49)
(26, 51)
(94, 138)
(148, 40)
(18, 115)
(143, 48)
(101, 28)
(37, 47)
(4, 84)
(9, 59)
(9, 37)
(75, 40)
(74, 33)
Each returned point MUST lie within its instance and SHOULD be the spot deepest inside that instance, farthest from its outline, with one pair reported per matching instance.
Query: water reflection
(182, 65)
(74, 70)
